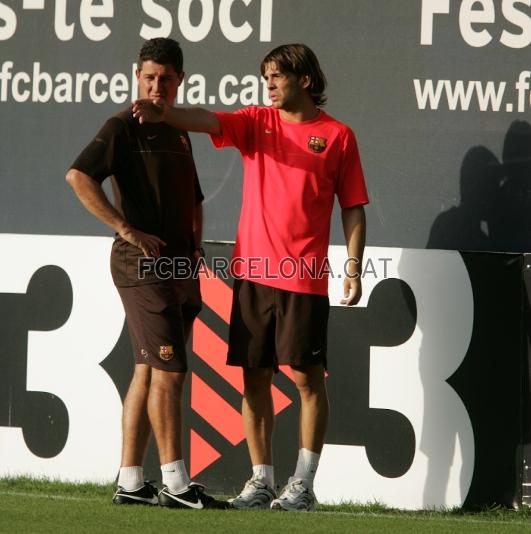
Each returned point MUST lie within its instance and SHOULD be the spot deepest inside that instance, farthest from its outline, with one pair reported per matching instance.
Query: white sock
(175, 476)
(266, 473)
(131, 478)
(306, 466)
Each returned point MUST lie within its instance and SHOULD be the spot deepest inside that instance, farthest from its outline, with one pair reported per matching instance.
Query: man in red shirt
(296, 159)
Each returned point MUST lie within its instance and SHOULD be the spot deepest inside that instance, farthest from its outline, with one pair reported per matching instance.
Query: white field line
(48, 496)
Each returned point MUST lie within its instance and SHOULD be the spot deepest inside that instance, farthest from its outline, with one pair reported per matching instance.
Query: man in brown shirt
(157, 216)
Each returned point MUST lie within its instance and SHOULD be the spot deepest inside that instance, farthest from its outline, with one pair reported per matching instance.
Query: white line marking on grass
(48, 496)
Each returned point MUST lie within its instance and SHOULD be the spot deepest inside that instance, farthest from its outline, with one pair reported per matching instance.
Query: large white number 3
(411, 378)
(65, 362)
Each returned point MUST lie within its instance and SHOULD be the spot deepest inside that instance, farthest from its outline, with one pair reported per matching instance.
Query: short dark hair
(163, 51)
(299, 60)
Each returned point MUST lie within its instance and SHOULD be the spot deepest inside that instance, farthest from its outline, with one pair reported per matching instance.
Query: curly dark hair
(299, 60)
(163, 51)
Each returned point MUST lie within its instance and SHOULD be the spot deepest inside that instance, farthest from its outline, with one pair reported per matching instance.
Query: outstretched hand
(149, 110)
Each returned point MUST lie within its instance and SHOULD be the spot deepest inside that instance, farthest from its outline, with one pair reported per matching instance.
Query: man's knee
(309, 379)
(257, 381)
(167, 380)
(141, 376)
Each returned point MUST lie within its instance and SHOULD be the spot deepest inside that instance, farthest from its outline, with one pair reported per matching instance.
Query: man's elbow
(78, 180)
(71, 177)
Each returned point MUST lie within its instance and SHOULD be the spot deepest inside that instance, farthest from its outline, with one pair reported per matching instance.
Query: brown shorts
(271, 327)
(159, 317)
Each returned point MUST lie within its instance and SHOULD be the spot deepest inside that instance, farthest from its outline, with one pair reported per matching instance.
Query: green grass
(43, 506)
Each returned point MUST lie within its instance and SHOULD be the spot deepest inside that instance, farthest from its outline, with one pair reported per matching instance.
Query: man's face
(285, 90)
(158, 81)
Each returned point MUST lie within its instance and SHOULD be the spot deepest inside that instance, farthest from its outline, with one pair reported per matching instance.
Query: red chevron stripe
(280, 401)
(213, 351)
(202, 454)
(286, 369)
(216, 411)
(217, 295)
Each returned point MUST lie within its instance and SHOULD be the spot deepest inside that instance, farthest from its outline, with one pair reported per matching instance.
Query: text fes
(474, 18)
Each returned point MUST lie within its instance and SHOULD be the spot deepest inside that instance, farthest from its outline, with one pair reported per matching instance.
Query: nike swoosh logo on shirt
(151, 137)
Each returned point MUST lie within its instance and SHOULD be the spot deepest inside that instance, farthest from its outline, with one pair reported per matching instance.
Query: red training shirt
(292, 170)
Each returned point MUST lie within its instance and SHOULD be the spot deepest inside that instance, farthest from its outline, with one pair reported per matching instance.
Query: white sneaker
(296, 496)
(255, 494)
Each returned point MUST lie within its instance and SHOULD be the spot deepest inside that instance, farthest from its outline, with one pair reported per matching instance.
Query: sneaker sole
(279, 508)
(124, 499)
(179, 506)
(252, 506)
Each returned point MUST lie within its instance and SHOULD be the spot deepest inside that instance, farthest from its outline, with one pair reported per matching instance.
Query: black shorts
(159, 316)
(271, 327)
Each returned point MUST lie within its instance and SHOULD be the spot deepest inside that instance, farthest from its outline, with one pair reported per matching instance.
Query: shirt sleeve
(103, 155)
(350, 187)
(234, 129)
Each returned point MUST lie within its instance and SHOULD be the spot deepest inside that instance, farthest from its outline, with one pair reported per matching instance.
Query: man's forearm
(92, 196)
(189, 119)
(192, 119)
(354, 229)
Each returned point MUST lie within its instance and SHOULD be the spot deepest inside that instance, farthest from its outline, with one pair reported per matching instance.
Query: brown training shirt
(155, 187)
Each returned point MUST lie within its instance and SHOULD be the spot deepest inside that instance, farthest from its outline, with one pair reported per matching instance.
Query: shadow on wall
(495, 209)
(494, 214)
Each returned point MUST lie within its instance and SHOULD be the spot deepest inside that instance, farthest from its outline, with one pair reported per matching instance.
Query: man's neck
(306, 112)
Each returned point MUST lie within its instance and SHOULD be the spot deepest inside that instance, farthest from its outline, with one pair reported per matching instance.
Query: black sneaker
(147, 494)
(193, 497)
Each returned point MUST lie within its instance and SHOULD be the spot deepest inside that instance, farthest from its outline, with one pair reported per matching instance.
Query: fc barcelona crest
(317, 144)
(166, 352)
